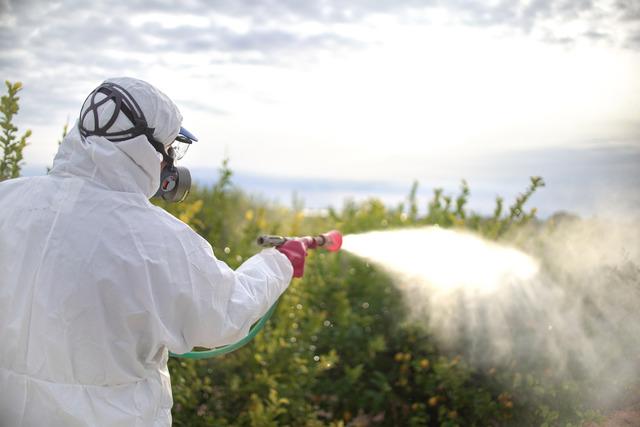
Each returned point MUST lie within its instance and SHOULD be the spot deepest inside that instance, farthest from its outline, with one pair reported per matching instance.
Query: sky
(300, 93)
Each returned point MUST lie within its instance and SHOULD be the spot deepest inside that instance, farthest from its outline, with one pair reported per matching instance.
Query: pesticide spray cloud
(568, 304)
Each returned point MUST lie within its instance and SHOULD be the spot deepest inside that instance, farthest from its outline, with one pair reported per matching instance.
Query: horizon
(593, 197)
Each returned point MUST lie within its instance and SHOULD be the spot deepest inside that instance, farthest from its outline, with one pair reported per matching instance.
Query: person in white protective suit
(97, 284)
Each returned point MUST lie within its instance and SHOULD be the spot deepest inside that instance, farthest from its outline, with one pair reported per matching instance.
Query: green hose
(207, 354)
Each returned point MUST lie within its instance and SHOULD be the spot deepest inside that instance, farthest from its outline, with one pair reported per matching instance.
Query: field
(342, 348)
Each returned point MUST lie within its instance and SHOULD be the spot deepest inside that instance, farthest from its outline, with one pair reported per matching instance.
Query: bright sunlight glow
(443, 259)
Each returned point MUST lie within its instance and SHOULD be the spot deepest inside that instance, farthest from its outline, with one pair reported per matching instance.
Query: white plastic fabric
(161, 113)
(97, 284)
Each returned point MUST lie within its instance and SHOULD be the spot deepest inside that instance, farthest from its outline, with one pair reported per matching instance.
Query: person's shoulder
(154, 233)
(182, 231)
(161, 221)
(18, 188)
(16, 183)
(164, 218)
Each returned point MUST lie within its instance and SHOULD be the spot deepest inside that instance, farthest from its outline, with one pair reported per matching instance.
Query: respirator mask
(175, 181)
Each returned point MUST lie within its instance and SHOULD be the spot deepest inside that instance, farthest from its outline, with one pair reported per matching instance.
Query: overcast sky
(387, 90)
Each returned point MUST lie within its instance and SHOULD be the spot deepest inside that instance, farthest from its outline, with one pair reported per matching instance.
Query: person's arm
(219, 305)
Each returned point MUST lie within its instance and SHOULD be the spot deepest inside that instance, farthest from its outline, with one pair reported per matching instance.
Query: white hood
(132, 165)
(161, 113)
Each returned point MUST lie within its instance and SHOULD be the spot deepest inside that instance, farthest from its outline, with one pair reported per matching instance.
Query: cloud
(595, 35)
(630, 9)
(633, 42)
(62, 49)
(192, 39)
(200, 106)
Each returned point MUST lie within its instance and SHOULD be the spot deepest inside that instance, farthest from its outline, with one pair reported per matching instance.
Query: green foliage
(339, 351)
(498, 225)
(11, 145)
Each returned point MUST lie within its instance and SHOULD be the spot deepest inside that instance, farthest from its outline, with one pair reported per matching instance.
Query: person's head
(124, 108)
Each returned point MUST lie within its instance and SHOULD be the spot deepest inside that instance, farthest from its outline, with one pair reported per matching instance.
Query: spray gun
(331, 241)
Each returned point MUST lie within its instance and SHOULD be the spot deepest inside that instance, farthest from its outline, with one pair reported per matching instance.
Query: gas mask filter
(175, 181)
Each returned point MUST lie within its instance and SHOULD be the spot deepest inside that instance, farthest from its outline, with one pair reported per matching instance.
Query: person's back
(97, 284)
(76, 296)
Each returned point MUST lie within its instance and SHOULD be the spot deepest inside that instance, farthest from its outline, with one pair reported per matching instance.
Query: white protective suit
(97, 284)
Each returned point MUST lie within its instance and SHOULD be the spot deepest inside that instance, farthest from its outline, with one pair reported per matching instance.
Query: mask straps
(126, 104)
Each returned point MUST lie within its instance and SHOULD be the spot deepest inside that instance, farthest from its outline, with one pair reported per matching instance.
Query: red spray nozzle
(331, 241)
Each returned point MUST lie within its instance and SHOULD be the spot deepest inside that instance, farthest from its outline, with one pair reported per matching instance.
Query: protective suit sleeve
(225, 303)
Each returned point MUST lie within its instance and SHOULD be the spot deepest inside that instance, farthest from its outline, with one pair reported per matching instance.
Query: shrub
(11, 145)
